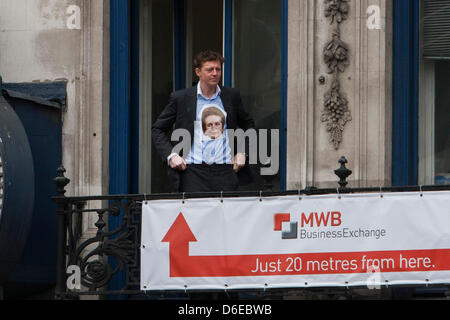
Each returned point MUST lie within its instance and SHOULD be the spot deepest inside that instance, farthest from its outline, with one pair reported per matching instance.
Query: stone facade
(366, 84)
(53, 40)
(48, 40)
(41, 40)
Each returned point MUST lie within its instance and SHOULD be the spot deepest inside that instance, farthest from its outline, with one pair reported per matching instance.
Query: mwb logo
(311, 220)
(291, 231)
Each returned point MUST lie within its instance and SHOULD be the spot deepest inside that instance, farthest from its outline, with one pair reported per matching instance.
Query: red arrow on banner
(179, 236)
(183, 265)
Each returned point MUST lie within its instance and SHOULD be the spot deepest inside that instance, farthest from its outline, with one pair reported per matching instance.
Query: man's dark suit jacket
(180, 113)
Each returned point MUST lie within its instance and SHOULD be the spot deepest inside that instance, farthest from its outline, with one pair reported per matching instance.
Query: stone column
(90, 153)
(365, 84)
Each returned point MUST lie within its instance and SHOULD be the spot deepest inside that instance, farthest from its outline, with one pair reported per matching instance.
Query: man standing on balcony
(219, 169)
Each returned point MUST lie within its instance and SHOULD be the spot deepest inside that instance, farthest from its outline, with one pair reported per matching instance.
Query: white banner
(288, 241)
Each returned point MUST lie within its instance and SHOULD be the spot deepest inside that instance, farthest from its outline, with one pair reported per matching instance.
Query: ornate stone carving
(336, 10)
(336, 56)
(336, 113)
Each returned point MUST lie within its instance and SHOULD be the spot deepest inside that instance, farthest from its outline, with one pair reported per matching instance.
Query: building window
(257, 70)
(172, 32)
(434, 95)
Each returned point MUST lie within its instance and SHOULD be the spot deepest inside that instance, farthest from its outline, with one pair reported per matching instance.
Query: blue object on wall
(120, 106)
(120, 160)
(228, 43)
(405, 92)
(38, 105)
(134, 99)
(17, 190)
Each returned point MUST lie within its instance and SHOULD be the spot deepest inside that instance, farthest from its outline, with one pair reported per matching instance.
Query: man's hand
(238, 161)
(177, 163)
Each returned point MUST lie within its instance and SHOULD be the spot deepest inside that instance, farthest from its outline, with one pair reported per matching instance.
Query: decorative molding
(364, 88)
(92, 99)
(145, 96)
(336, 10)
(302, 108)
(336, 56)
(336, 113)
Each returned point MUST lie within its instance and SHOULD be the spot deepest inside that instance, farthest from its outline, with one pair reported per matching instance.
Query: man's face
(213, 126)
(210, 73)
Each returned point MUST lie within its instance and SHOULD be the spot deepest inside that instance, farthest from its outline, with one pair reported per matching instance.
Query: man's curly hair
(207, 55)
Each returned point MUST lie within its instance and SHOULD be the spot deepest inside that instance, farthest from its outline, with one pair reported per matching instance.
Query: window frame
(405, 89)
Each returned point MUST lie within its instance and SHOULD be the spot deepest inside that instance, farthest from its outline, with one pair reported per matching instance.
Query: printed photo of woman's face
(213, 122)
(213, 126)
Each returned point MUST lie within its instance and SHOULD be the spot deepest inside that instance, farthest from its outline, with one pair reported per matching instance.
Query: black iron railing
(114, 250)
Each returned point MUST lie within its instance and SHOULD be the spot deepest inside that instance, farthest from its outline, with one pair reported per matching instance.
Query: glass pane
(204, 28)
(257, 33)
(442, 137)
(162, 79)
